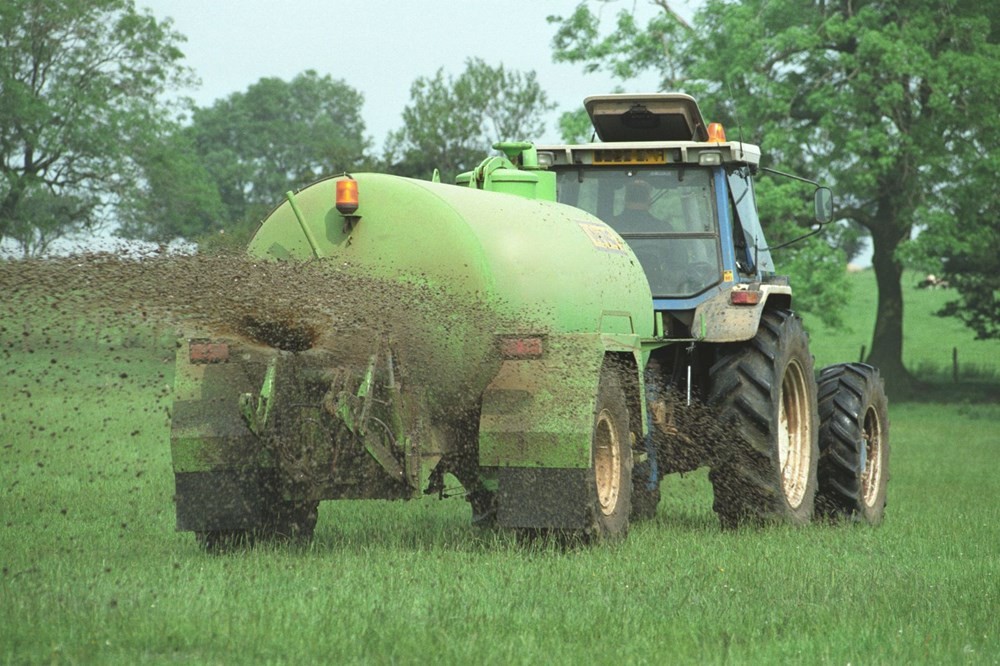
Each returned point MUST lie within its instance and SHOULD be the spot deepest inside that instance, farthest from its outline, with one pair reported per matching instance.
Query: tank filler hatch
(646, 117)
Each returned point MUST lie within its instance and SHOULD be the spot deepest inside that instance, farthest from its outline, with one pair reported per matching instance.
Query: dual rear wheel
(789, 448)
(854, 444)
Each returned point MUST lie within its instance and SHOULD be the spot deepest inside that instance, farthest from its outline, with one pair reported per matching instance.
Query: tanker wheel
(610, 484)
(286, 522)
(853, 442)
(764, 394)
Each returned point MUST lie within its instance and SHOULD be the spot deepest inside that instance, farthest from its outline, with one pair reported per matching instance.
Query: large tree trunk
(887, 339)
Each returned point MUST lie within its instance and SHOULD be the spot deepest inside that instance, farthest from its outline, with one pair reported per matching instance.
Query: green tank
(525, 257)
(520, 307)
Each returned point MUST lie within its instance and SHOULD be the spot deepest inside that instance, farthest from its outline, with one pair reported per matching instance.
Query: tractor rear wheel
(610, 481)
(853, 443)
(764, 395)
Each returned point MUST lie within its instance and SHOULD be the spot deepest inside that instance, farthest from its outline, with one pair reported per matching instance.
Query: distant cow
(932, 282)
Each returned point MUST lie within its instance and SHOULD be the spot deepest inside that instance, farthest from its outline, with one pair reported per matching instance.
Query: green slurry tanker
(570, 324)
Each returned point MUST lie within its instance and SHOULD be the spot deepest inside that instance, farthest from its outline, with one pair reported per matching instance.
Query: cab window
(748, 237)
(665, 214)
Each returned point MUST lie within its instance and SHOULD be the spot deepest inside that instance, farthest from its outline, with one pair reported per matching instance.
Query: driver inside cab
(662, 259)
(635, 216)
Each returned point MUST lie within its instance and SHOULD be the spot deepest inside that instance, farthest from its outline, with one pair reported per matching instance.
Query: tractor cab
(674, 188)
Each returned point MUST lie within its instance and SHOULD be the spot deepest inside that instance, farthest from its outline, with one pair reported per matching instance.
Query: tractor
(578, 321)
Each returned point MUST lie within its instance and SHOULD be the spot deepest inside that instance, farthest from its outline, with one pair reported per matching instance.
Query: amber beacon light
(347, 196)
(716, 133)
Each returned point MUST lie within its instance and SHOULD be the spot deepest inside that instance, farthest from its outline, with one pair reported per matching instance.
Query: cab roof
(649, 129)
(646, 117)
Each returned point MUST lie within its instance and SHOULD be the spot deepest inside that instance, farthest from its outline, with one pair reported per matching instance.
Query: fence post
(861, 359)
(954, 364)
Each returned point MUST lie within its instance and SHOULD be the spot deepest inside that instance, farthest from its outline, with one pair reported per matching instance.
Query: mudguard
(539, 412)
(718, 320)
(536, 428)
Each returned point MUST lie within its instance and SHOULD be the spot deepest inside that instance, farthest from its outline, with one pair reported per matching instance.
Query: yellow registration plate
(631, 156)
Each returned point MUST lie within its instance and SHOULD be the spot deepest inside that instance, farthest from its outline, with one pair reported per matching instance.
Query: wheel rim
(871, 475)
(607, 463)
(794, 434)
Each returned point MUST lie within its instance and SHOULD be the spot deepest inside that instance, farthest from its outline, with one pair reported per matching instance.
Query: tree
(886, 100)
(43, 218)
(77, 78)
(963, 247)
(177, 197)
(276, 136)
(575, 126)
(451, 123)
(629, 49)
(814, 264)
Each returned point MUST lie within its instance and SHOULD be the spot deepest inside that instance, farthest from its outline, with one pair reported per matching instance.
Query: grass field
(92, 571)
(929, 340)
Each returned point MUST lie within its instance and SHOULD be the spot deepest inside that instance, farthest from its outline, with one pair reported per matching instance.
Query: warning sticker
(727, 276)
(603, 237)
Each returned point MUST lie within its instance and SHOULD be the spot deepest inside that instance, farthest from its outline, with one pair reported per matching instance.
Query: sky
(379, 47)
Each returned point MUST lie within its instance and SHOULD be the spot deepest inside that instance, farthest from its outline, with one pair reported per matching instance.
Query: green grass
(93, 572)
(928, 340)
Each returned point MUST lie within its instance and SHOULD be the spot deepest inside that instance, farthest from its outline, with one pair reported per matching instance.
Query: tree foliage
(45, 217)
(575, 126)
(177, 198)
(888, 101)
(77, 78)
(276, 136)
(628, 49)
(451, 123)
(962, 245)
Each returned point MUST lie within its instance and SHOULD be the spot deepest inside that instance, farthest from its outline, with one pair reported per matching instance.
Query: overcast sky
(379, 47)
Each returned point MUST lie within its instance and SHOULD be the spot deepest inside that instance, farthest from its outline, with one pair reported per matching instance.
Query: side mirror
(824, 205)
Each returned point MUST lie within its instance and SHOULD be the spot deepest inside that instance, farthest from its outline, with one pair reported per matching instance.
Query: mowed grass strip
(92, 570)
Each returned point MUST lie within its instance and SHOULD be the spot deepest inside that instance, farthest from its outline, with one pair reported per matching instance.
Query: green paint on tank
(507, 266)
(538, 263)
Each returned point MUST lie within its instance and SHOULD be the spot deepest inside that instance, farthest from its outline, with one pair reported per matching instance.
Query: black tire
(287, 522)
(854, 444)
(610, 480)
(764, 394)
